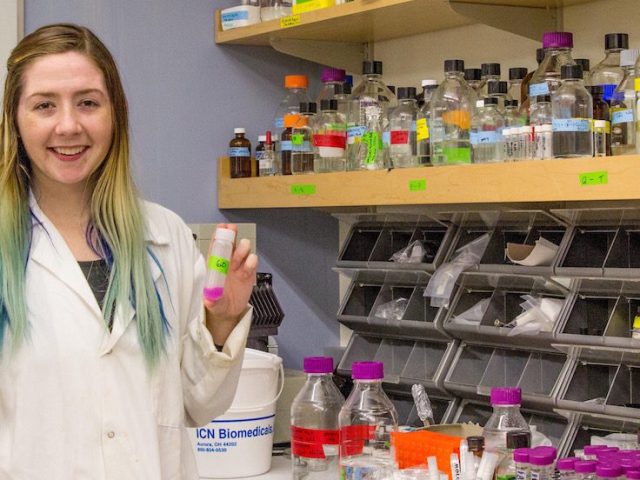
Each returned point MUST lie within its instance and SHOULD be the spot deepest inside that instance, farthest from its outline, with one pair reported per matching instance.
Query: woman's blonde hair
(116, 230)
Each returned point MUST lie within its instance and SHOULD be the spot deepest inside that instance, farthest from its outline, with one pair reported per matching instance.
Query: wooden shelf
(544, 181)
(363, 21)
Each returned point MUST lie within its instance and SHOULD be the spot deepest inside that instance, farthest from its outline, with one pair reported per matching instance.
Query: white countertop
(280, 470)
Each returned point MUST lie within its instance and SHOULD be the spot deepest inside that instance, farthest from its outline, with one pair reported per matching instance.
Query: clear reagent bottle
(473, 76)
(486, 132)
(608, 72)
(506, 417)
(623, 114)
(330, 78)
(557, 52)
(516, 77)
(402, 129)
(516, 440)
(330, 138)
(315, 432)
(218, 262)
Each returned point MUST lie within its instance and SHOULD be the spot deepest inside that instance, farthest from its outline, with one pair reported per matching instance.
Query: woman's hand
(224, 314)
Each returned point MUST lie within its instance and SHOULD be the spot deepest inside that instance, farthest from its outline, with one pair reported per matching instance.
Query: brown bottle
(240, 154)
(290, 121)
(600, 109)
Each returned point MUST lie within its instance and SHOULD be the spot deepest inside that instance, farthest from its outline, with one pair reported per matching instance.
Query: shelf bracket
(529, 22)
(344, 55)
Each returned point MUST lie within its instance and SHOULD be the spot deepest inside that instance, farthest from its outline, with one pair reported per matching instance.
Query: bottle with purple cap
(506, 417)
(330, 77)
(366, 421)
(557, 52)
(315, 435)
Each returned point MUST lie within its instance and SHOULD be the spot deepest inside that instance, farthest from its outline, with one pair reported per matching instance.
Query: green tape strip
(594, 178)
(299, 189)
(419, 185)
(218, 264)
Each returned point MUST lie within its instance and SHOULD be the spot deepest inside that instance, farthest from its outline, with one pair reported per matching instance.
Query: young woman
(108, 351)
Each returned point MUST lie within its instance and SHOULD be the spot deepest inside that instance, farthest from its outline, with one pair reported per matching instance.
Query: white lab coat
(77, 402)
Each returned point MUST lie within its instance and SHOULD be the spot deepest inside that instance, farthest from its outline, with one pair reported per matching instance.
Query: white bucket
(239, 443)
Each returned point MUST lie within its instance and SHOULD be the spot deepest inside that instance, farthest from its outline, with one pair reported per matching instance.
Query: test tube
(541, 464)
(586, 469)
(521, 459)
(566, 468)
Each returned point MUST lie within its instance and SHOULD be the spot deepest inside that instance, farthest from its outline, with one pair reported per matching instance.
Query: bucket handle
(264, 405)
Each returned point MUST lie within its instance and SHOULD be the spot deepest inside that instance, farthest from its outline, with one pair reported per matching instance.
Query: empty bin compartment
(587, 250)
(472, 412)
(588, 386)
(503, 370)
(624, 257)
(361, 348)
(394, 354)
(541, 374)
(589, 315)
(360, 243)
(426, 360)
(468, 367)
(360, 299)
(624, 395)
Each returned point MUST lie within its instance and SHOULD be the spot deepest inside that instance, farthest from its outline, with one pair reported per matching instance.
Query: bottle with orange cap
(296, 87)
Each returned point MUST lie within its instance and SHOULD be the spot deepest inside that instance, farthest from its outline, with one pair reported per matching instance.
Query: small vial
(586, 470)
(541, 464)
(609, 472)
(218, 263)
(601, 138)
(521, 460)
(259, 152)
(590, 451)
(267, 165)
(566, 468)
(525, 138)
(633, 474)
(507, 139)
(543, 142)
(476, 448)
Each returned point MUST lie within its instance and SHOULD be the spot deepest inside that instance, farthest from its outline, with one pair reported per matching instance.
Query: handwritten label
(300, 189)
(290, 21)
(594, 178)
(419, 185)
(422, 129)
(637, 84)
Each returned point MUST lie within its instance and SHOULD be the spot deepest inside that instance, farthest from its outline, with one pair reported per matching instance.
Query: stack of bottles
(562, 109)
(334, 438)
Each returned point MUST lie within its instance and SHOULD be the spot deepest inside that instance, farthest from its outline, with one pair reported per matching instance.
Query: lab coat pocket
(168, 403)
(169, 448)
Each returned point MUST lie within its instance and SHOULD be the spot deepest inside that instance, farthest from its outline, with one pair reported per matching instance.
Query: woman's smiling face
(64, 119)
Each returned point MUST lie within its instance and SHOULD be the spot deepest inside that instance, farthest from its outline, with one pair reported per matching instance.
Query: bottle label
(478, 138)
(521, 474)
(606, 128)
(399, 137)
(259, 155)
(571, 125)
(609, 90)
(330, 140)
(279, 122)
(239, 152)
(422, 129)
(355, 133)
(353, 438)
(386, 138)
(305, 146)
(539, 89)
(218, 264)
(535, 475)
(621, 116)
(374, 144)
(312, 443)
(456, 155)
(636, 84)
(286, 146)
(233, 16)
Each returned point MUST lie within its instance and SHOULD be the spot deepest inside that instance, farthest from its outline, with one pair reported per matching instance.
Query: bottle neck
(572, 81)
(505, 408)
(407, 101)
(372, 77)
(239, 135)
(454, 74)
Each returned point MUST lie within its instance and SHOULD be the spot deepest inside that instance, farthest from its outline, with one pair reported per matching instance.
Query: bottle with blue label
(486, 132)
(608, 72)
(572, 107)
(302, 142)
(623, 114)
(452, 106)
(557, 52)
(368, 117)
(402, 129)
(240, 154)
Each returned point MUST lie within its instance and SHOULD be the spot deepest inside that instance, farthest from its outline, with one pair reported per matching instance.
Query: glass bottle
(315, 432)
(486, 132)
(601, 113)
(490, 72)
(542, 120)
(342, 94)
(601, 138)
(367, 119)
(506, 469)
(330, 138)
(586, 70)
(422, 123)
(452, 106)
(608, 72)
(499, 89)
(272, 9)
(366, 421)
(330, 78)
(259, 152)
(286, 146)
(525, 104)
(516, 77)
(572, 108)
(566, 468)
(473, 76)
(586, 470)
(240, 154)
(623, 115)
(268, 165)
(506, 417)
(512, 117)
(402, 130)
(296, 93)
(302, 156)
(557, 53)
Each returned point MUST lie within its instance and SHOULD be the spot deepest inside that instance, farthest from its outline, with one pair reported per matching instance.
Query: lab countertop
(280, 470)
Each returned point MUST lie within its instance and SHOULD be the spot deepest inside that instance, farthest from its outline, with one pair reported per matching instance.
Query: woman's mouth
(68, 154)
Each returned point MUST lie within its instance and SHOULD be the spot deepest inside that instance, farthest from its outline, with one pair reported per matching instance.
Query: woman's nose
(68, 122)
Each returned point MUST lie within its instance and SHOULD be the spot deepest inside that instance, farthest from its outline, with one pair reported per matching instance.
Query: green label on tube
(594, 178)
(457, 155)
(299, 189)
(419, 185)
(218, 264)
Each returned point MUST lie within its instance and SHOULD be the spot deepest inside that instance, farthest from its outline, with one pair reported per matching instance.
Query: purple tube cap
(586, 466)
(633, 474)
(317, 365)
(557, 40)
(568, 463)
(521, 455)
(330, 74)
(629, 464)
(541, 458)
(609, 471)
(367, 371)
(593, 449)
(506, 396)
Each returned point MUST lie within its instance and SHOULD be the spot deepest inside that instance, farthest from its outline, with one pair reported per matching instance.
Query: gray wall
(186, 94)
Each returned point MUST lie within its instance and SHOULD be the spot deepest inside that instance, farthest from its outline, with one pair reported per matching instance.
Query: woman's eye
(88, 103)
(44, 106)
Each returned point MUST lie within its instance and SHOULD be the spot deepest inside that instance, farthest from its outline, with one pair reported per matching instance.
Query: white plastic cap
(225, 234)
(628, 57)
(239, 130)
(479, 103)
(429, 82)
(262, 138)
